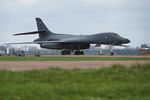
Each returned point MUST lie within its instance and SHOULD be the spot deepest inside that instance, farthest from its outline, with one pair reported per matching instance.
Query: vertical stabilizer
(42, 27)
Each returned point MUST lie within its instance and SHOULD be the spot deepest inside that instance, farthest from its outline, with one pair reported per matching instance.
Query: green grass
(114, 83)
(14, 58)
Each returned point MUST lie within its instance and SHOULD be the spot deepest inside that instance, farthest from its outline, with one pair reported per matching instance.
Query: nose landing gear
(111, 53)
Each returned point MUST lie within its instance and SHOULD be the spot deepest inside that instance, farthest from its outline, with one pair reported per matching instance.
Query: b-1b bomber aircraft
(72, 43)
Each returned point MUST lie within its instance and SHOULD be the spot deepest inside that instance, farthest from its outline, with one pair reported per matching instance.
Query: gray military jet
(70, 43)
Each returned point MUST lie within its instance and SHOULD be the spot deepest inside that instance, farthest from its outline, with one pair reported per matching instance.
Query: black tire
(68, 52)
(65, 52)
(81, 53)
(62, 52)
(76, 53)
(111, 53)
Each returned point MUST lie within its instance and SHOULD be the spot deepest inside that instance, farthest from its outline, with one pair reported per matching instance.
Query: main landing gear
(78, 52)
(67, 52)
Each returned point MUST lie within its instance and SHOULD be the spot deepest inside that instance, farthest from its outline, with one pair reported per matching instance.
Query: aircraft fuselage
(66, 42)
(77, 42)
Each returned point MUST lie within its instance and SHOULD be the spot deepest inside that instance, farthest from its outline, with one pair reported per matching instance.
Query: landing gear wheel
(65, 52)
(111, 53)
(81, 52)
(68, 52)
(78, 53)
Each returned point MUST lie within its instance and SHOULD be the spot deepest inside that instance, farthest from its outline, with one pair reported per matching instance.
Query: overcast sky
(129, 18)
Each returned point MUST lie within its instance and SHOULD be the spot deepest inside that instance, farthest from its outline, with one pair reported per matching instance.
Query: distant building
(2, 52)
(144, 51)
(20, 53)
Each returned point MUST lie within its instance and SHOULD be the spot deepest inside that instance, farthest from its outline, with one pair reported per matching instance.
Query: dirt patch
(29, 65)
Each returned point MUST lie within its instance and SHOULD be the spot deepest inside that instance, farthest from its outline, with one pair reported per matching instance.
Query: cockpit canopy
(114, 34)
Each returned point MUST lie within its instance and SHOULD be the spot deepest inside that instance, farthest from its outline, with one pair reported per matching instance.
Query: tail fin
(42, 30)
(42, 27)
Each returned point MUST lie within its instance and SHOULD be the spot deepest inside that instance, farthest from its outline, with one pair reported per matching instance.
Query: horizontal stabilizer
(28, 33)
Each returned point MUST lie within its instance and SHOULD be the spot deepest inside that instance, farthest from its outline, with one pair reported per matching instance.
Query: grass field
(62, 58)
(114, 83)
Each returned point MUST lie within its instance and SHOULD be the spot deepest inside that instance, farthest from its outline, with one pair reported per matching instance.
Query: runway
(30, 65)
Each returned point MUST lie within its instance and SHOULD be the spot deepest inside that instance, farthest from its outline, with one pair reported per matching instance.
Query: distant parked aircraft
(70, 43)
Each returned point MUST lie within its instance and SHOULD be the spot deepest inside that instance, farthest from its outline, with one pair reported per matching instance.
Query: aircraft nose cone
(127, 41)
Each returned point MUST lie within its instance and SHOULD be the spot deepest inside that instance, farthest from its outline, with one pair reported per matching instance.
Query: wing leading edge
(28, 33)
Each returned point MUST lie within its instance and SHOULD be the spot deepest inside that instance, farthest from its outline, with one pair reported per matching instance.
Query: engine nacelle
(51, 45)
(76, 46)
(65, 46)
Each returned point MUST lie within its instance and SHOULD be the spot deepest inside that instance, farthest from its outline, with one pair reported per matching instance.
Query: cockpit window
(115, 34)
